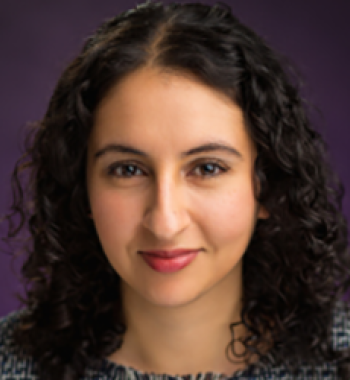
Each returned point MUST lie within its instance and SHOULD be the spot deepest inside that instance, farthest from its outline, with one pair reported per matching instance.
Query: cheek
(230, 217)
(115, 217)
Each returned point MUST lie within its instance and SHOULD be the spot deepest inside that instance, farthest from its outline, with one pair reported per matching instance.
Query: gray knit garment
(14, 368)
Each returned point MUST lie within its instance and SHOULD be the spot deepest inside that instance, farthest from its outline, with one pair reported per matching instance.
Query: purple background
(37, 40)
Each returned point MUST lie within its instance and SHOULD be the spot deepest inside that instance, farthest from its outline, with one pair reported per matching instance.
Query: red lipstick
(169, 261)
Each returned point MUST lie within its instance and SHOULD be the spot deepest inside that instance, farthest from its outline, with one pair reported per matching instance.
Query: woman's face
(170, 165)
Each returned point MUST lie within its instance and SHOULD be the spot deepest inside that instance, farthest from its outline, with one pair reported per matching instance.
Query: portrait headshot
(175, 197)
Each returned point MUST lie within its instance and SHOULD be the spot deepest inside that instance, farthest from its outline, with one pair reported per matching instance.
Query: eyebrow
(209, 147)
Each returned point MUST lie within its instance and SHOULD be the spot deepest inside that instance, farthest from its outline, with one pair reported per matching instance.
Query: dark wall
(37, 40)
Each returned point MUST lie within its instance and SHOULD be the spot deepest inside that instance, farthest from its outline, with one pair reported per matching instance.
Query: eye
(209, 169)
(128, 169)
(124, 170)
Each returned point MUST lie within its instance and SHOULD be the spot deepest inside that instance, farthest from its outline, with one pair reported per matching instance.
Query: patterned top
(14, 368)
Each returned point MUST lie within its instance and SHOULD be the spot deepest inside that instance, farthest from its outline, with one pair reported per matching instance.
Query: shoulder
(13, 363)
(341, 325)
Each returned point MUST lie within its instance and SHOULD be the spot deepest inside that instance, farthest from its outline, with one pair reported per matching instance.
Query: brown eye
(209, 169)
(126, 170)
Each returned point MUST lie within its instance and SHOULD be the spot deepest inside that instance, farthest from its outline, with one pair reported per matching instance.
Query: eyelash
(112, 168)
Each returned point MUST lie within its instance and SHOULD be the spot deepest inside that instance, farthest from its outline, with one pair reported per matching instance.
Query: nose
(166, 214)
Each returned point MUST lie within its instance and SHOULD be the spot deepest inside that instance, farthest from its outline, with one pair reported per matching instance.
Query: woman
(184, 219)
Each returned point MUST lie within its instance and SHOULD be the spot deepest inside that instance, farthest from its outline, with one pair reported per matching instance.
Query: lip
(167, 254)
(169, 261)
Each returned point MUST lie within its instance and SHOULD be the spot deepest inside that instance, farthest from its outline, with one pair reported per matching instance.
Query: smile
(166, 262)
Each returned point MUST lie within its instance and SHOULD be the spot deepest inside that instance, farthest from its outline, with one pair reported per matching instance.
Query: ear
(262, 212)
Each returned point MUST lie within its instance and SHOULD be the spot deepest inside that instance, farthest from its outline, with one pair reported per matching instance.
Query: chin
(173, 294)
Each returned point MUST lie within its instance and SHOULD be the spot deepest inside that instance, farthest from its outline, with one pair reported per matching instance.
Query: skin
(177, 323)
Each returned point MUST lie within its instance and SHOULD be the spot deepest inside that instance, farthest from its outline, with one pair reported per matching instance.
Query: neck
(185, 339)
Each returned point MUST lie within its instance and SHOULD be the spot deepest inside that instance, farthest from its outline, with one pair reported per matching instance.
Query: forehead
(168, 107)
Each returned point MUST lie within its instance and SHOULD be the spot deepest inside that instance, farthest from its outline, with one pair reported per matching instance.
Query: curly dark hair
(297, 263)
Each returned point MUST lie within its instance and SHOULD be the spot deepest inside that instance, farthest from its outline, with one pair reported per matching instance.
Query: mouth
(167, 254)
(169, 261)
